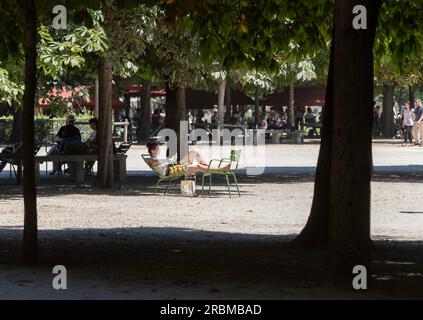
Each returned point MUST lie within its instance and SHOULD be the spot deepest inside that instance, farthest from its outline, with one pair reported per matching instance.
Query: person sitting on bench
(68, 134)
(92, 145)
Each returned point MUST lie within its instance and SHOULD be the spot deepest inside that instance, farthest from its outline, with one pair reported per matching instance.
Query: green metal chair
(233, 162)
(169, 178)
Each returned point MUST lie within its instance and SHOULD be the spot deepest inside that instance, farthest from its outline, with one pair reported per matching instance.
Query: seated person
(7, 154)
(263, 123)
(309, 117)
(193, 162)
(310, 120)
(68, 134)
(236, 118)
(275, 121)
(91, 144)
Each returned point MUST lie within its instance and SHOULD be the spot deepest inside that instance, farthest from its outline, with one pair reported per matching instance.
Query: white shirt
(408, 118)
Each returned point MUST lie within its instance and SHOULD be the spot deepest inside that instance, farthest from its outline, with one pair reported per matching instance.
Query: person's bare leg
(194, 155)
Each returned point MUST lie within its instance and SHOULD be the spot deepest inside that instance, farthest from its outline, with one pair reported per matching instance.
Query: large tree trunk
(105, 143)
(17, 127)
(97, 97)
(171, 107)
(145, 114)
(181, 116)
(176, 112)
(411, 95)
(30, 235)
(257, 105)
(316, 231)
(291, 107)
(228, 102)
(127, 104)
(221, 102)
(388, 129)
(352, 139)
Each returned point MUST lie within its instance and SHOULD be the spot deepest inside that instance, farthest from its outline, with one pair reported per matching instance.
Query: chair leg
(229, 185)
(202, 186)
(157, 186)
(236, 183)
(167, 188)
(210, 185)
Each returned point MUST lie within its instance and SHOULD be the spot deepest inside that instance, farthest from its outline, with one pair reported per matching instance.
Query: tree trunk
(145, 114)
(127, 104)
(97, 97)
(30, 235)
(411, 95)
(175, 102)
(388, 129)
(221, 102)
(291, 107)
(170, 107)
(105, 143)
(316, 232)
(181, 116)
(17, 127)
(352, 139)
(257, 105)
(228, 103)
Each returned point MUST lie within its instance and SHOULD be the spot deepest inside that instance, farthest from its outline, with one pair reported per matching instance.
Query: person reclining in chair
(192, 163)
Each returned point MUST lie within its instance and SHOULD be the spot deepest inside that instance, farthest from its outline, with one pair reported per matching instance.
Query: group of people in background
(408, 122)
(272, 120)
(412, 120)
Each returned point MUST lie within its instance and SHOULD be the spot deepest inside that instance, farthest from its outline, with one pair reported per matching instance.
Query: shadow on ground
(216, 262)
(144, 185)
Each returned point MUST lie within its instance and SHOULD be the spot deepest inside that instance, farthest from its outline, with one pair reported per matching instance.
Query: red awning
(303, 96)
(239, 98)
(116, 103)
(200, 99)
(135, 91)
(196, 99)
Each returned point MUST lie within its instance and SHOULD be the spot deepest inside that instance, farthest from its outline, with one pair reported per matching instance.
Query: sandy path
(129, 243)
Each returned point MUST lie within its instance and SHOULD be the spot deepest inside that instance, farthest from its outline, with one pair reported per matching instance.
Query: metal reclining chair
(162, 178)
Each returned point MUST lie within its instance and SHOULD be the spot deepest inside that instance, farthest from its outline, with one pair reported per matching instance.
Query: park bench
(277, 135)
(294, 137)
(76, 165)
(312, 127)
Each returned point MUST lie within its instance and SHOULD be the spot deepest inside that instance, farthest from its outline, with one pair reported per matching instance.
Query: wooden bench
(76, 165)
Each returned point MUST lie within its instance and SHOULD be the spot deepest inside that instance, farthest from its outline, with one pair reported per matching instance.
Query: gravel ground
(176, 247)
(128, 243)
